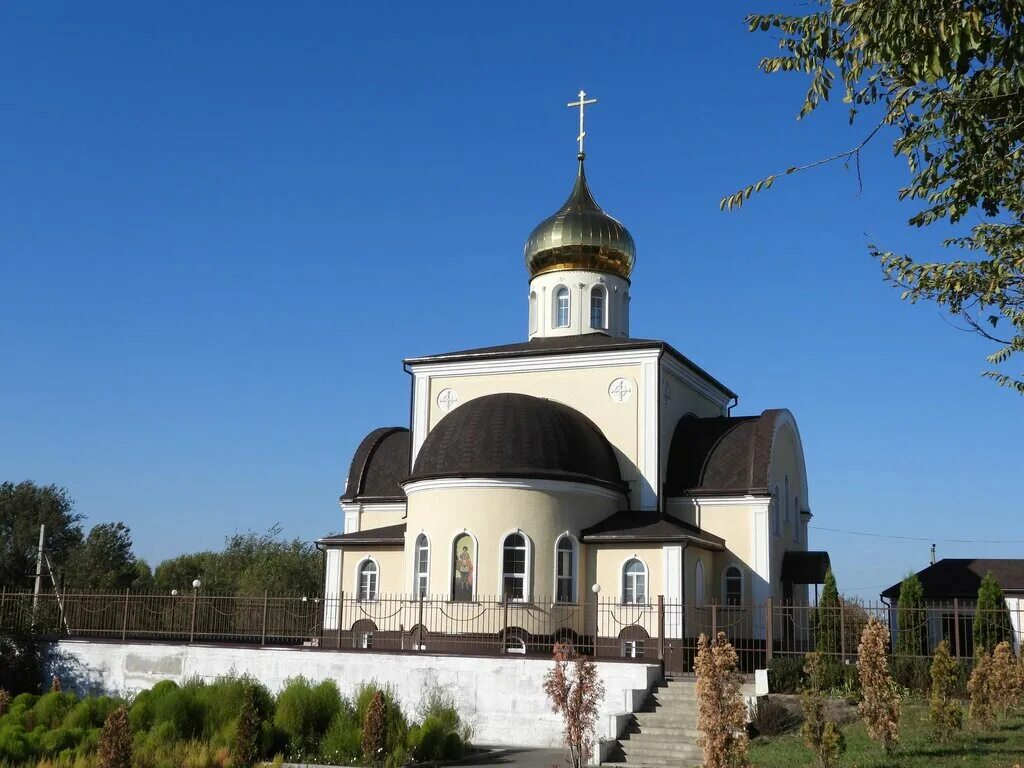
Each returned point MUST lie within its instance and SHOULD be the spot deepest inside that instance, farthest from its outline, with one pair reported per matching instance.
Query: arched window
(634, 582)
(463, 568)
(565, 571)
(698, 585)
(733, 586)
(796, 519)
(368, 580)
(787, 497)
(597, 306)
(422, 565)
(561, 307)
(513, 567)
(533, 312)
(776, 512)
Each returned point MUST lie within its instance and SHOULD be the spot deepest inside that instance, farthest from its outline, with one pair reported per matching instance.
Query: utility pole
(39, 570)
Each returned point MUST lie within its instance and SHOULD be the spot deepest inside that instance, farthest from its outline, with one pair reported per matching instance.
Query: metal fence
(606, 627)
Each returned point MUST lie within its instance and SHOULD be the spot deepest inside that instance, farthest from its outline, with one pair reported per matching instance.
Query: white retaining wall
(503, 698)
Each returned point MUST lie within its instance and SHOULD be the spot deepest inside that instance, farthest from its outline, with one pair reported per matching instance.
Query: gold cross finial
(583, 102)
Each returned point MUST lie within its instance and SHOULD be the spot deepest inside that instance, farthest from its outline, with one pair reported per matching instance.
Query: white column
(672, 589)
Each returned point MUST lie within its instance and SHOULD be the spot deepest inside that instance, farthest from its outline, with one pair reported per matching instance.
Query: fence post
(714, 621)
(3, 600)
(263, 626)
(124, 623)
(661, 627)
(842, 630)
(956, 626)
(769, 629)
(341, 608)
(192, 626)
(504, 625)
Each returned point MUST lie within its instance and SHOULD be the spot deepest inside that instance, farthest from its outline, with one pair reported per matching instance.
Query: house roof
(379, 466)
(805, 567)
(960, 577)
(561, 345)
(513, 435)
(721, 455)
(628, 527)
(388, 535)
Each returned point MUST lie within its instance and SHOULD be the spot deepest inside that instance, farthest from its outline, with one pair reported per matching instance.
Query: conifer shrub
(822, 736)
(944, 709)
(342, 744)
(247, 732)
(303, 713)
(880, 703)
(115, 747)
(982, 707)
(992, 617)
(786, 674)
(721, 712)
(911, 619)
(827, 621)
(1005, 682)
(91, 712)
(53, 707)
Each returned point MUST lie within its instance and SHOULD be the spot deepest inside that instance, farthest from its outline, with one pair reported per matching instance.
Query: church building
(582, 461)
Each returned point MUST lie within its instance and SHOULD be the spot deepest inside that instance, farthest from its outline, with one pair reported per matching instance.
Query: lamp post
(196, 584)
(596, 589)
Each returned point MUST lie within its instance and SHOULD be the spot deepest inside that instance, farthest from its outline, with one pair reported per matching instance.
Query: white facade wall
(543, 320)
(503, 698)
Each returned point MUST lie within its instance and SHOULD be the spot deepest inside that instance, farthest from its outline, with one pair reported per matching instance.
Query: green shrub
(771, 718)
(57, 740)
(143, 710)
(245, 751)
(342, 742)
(183, 709)
(53, 707)
(15, 746)
(304, 712)
(90, 712)
(914, 674)
(786, 674)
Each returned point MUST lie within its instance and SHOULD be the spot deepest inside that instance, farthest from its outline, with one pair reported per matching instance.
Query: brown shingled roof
(380, 466)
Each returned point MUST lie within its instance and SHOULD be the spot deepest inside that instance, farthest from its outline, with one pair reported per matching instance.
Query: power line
(918, 538)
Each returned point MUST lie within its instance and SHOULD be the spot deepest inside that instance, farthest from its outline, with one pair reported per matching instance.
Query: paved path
(519, 758)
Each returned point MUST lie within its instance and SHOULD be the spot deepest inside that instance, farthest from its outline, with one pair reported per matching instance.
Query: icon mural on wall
(462, 586)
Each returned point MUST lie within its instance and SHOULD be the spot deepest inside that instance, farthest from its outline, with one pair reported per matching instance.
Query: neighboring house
(951, 592)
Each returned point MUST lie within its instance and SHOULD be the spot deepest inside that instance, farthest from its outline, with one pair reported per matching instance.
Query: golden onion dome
(580, 236)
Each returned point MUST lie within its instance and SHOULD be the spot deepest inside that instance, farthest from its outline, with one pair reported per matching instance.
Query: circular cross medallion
(620, 390)
(447, 399)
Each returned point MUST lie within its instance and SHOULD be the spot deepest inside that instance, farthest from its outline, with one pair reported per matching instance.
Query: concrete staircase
(663, 732)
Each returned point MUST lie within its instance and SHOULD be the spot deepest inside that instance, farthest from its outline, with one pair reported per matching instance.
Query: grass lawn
(1001, 748)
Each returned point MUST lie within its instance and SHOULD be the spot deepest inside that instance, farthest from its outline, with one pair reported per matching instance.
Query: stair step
(675, 732)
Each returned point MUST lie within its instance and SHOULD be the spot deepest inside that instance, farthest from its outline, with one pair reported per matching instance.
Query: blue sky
(224, 224)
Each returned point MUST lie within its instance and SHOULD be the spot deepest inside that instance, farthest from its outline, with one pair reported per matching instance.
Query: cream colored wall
(678, 400)
(693, 555)
(605, 568)
(380, 515)
(787, 460)
(489, 514)
(390, 572)
(585, 389)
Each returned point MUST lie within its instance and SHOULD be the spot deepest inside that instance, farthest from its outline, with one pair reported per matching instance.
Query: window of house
(565, 582)
(368, 580)
(513, 572)
(733, 586)
(796, 519)
(597, 305)
(533, 312)
(422, 565)
(633, 649)
(561, 307)
(364, 640)
(634, 586)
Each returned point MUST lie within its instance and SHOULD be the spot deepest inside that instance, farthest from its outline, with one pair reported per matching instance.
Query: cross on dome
(583, 102)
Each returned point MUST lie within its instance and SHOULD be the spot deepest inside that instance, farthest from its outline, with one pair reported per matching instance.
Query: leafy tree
(944, 80)
(104, 561)
(992, 618)
(828, 623)
(575, 691)
(23, 508)
(911, 618)
(944, 708)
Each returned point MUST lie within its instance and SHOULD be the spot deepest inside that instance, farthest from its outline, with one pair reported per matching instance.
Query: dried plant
(982, 710)
(822, 736)
(944, 710)
(115, 747)
(374, 727)
(880, 705)
(5, 701)
(575, 692)
(721, 712)
(55, 685)
(1006, 692)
